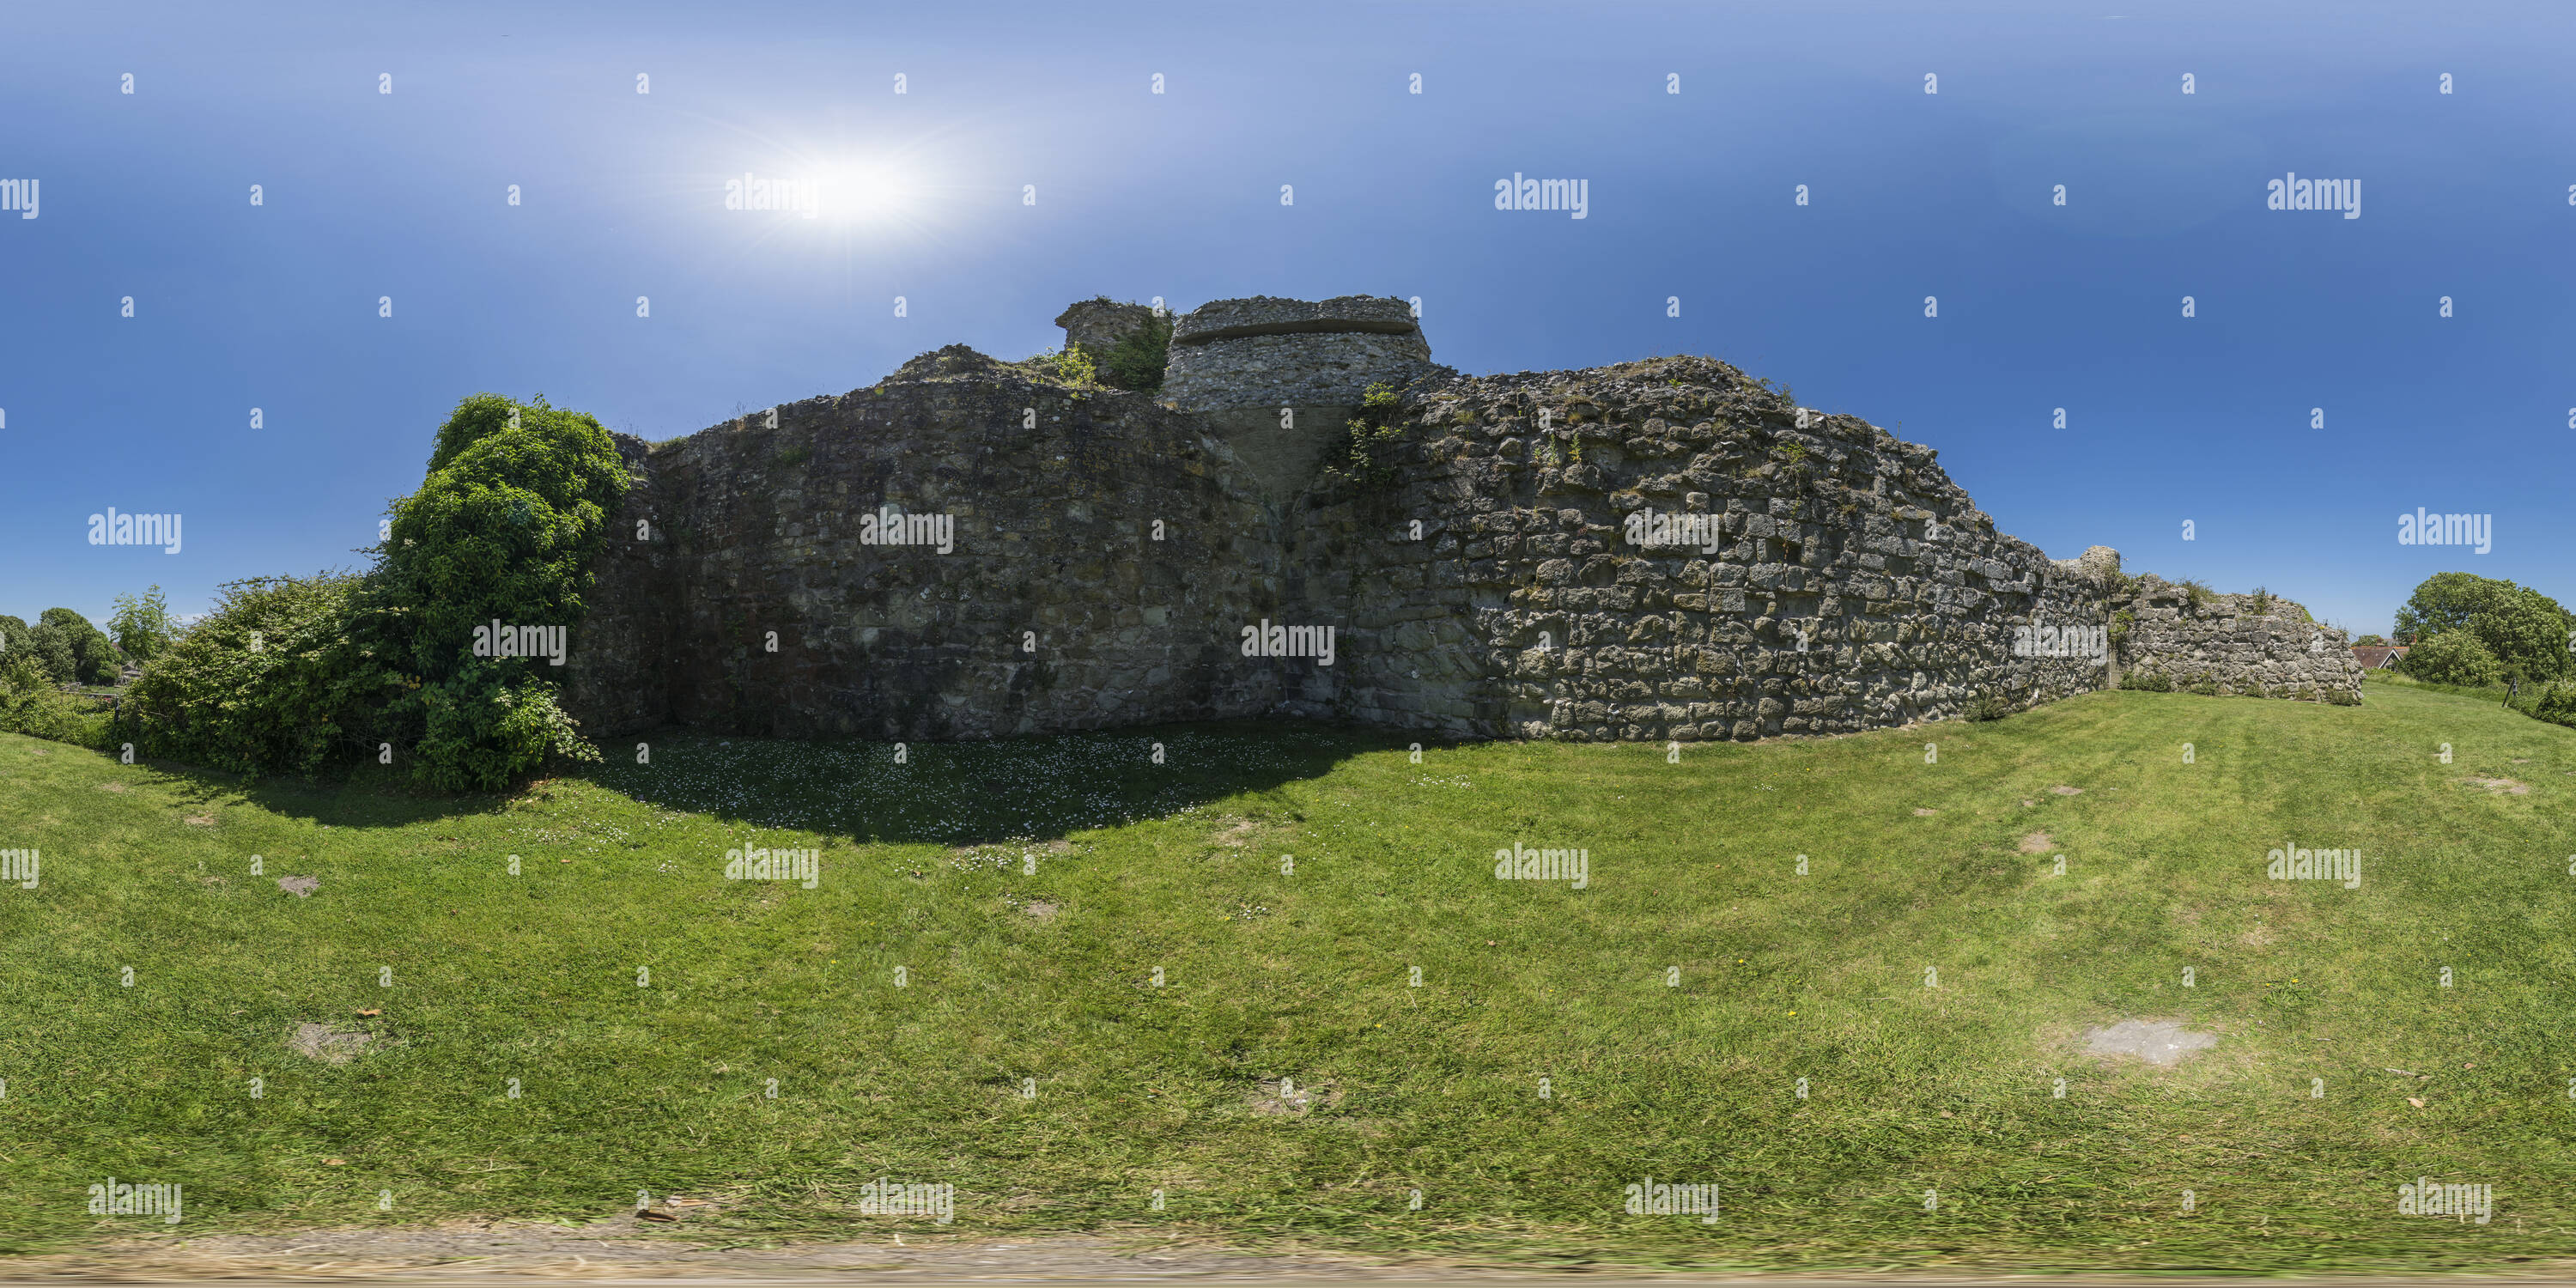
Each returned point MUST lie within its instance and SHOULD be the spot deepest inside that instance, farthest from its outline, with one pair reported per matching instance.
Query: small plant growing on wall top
(1137, 362)
(1368, 455)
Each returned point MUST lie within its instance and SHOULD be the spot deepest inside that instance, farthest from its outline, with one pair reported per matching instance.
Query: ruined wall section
(2172, 639)
(1853, 585)
(1268, 353)
(1828, 577)
(1052, 546)
(613, 681)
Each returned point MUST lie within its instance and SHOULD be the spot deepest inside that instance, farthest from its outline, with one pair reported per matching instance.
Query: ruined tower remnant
(1278, 379)
(1097, 325)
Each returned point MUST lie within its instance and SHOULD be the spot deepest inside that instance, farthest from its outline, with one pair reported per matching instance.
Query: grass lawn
(1669, 1009)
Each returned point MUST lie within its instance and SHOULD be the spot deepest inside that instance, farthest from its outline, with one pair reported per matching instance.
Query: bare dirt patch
(2163, 1042)
(201, 820)
(2505, 786)
(1925, 813)
(2036, 843)
(1287, 1098)
(118, 788)
(327, 1044)
(300, 887)
(1041, 910)
(2064, 790)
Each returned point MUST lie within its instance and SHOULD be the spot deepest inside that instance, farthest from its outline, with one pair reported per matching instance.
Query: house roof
(2376, 656)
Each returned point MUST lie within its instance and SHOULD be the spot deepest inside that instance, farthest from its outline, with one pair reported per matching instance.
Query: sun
(872, 193)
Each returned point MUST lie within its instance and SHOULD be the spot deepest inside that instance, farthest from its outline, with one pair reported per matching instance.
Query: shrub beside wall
(290, 674)
(269, 682)
(503, 529)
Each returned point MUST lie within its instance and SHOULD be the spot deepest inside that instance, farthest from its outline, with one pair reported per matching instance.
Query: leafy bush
(2148, 682)
(1072, 365)
(2453, 657)
(2199, 591)
(267, 682)
(504, 528)
(1138, 360)
(2557, 705)
(1988, 705)
(2260, 601)
(31, 703)
(2369, 641)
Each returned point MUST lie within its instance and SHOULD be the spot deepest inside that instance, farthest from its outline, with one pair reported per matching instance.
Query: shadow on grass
(1033, 788)
(966, 793)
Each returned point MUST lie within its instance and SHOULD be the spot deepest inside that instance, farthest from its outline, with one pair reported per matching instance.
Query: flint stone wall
(2229, 644)
(1854, 585)
(1491, 590)
(1098, 325)
(1270, 353)
(759, 530)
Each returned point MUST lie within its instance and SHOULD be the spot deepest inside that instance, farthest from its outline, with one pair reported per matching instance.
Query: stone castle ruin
(1664, 549)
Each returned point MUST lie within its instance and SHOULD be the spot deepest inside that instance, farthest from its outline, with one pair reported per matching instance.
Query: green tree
(73, 650)
(141, 624)
(2520, 627)
(2453, 657)
(2444, 601)
(2367, 641)
(15, 638)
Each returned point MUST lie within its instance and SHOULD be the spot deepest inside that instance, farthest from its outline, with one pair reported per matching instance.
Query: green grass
(665, 1087)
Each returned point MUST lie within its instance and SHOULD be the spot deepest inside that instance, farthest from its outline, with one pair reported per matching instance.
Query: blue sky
(368, 195)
